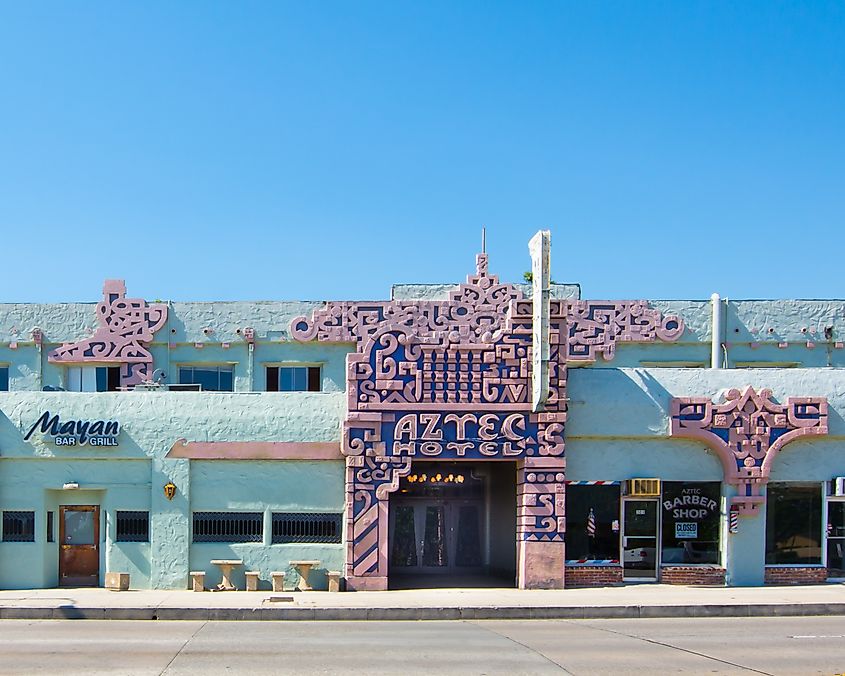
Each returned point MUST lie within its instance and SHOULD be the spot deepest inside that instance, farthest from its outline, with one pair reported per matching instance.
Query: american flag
(591, 524)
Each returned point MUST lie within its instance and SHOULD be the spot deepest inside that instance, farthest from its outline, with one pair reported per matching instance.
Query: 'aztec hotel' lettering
(432, 433)
(77, 432)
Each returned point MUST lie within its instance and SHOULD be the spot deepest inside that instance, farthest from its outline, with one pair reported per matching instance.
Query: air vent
(642, 487)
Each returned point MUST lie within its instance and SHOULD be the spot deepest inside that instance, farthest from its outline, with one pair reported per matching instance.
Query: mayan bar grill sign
(76, 432)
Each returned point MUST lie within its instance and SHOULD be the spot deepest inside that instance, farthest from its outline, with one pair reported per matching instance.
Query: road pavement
(777, 645)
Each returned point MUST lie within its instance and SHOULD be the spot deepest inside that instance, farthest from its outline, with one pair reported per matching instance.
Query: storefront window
(793, 524)
(691, 516)
(596, 537)
(836, 538)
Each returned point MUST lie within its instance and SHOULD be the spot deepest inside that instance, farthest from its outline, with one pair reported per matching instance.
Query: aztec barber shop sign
(76, 432)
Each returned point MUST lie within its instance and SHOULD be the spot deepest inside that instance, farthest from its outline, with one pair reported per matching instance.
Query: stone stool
(251, 580)
(198, 580)
(278, 578)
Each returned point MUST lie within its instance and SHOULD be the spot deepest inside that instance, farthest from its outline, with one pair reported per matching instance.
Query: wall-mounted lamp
(169, 490)
(70, 486)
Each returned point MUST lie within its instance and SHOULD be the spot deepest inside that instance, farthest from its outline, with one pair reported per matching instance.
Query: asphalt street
(812, 645)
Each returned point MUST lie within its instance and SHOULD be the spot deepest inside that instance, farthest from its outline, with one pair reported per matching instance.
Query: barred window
(132, 527)
(18, 526)
(228, 526)
(306, 527)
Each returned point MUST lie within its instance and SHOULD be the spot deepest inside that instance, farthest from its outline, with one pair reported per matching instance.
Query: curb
(428, 613)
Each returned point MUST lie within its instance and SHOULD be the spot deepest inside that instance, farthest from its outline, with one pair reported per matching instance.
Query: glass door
(435, 536)
(639, 539)
(836, 539)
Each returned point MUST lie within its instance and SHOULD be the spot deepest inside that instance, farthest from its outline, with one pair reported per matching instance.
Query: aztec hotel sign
(76, 432)
(461, 435)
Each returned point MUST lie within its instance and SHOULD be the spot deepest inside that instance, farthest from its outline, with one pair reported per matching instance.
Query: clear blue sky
(285, 150)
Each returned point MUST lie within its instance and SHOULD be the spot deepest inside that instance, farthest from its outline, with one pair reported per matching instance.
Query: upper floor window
(212, 378)
(293, 379)
(4, 378)
(93, 378)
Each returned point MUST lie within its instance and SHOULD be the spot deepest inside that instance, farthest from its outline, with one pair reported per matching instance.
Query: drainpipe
(716, 333)
(251, 366)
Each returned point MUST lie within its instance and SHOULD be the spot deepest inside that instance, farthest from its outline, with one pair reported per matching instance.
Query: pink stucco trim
(255, 450)
(757, 429)
(126, 327)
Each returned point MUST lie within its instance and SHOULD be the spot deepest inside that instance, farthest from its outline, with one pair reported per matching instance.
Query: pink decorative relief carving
(595, 327)
(126, 325)
(747, 431)
(452, 380)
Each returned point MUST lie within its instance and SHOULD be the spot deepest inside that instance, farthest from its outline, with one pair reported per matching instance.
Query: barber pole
(733, 525)
(591, 524)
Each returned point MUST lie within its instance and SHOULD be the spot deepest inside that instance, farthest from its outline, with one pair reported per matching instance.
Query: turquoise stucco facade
(617, 428)
(131, 476)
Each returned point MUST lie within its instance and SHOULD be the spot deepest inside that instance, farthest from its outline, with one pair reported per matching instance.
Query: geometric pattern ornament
(451, 380)
(747, 431)
(125, 326)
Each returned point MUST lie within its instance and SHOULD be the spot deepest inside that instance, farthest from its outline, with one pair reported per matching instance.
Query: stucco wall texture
(131, 476)
(617, 426)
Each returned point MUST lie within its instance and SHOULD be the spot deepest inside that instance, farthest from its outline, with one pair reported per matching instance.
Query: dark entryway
(453, 524)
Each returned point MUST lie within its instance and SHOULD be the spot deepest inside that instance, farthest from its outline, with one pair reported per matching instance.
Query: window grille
(228, 526)
(306, 527)
(18, 526)
(132, 527)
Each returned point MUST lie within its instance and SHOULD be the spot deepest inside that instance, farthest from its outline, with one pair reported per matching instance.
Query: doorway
(431, 536)
(79, 545)
(639, 539)
(453, 524)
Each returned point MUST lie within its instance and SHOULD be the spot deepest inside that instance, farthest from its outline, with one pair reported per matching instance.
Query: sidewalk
(631, 601)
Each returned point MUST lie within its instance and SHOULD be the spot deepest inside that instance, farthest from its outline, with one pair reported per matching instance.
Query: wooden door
(79, 545)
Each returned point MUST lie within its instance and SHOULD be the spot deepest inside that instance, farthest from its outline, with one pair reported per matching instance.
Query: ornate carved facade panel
(747, 431)
(126, 326)
(451, 380)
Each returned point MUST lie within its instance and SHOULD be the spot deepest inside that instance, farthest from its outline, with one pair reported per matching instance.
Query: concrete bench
(251, 580)
(278, 578)
(334, 580)
(226, 566)
(197, 580)
(304, 570)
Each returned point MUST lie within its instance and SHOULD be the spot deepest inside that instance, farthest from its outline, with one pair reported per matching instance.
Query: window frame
(227, 539)
(136, 513)
(828, 498)
(822, 525)
(207, 366)
(617, 534)
(106, 374)
(336, 518)
(313, 375)
(30, 520)
(718, 514)
(5, 367)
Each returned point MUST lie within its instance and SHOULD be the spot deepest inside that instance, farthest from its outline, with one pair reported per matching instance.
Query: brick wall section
(814, 575)
(713, 575)
(592, 576)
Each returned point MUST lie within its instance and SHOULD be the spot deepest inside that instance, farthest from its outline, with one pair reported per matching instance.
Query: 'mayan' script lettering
(73, 432)
(461, 435)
